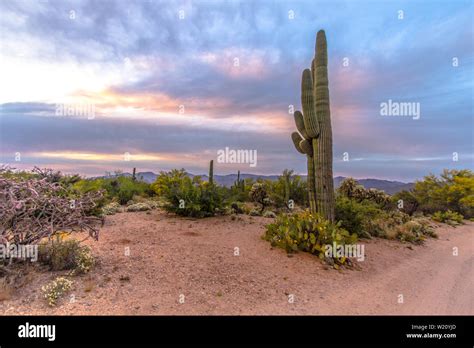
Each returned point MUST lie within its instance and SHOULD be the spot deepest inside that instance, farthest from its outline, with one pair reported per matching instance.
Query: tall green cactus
(314, 136)
(211, 172)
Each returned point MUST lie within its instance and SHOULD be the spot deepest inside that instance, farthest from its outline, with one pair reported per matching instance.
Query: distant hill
(390, 187)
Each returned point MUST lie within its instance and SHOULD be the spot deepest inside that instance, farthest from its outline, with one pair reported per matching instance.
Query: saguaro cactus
(314, 136)
(211, 172)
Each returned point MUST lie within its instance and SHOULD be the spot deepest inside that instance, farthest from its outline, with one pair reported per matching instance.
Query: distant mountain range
(390, 187)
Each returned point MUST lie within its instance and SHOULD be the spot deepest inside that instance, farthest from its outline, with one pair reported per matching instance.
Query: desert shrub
(385, 225)
(367, 219)
(152, 202)
(307, 232)
(118, 188)
(269, 214)
(288, 187)
(259, 194)
(357, 217)
(188, 197)
(406, 202)
(236, 208)
(111, 208)
(449, 217)
(410, 232)
(68, 254)
(34, 207)
(398, 225)
(125, 188)
(54, 290)
(415, 231)
(239, 191)
(247, 207)
(138, 207)
(254, 212)
(452, 190)
(427, 227)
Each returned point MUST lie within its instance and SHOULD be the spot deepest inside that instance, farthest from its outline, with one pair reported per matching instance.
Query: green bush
(66, 255)
(239, 191)
(307, 232)
(356, 217)
(406, 202)
(367, 219)
(449, 217)
(188, 197)
(288, 187)
(452, 190)
(119, 188)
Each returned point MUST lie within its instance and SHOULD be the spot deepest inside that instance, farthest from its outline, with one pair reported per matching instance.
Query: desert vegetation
(46, 208)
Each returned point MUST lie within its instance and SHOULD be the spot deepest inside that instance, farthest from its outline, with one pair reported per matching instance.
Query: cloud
(140, 65)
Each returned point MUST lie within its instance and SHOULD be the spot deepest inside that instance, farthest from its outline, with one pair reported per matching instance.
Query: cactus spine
(314, 136)
(211, 172)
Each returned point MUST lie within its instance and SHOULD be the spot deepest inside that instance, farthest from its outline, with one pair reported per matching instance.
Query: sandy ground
(189, 267)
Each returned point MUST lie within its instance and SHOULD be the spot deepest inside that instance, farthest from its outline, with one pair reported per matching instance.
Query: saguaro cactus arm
(296, 137)
(299, 121)
(311, 124)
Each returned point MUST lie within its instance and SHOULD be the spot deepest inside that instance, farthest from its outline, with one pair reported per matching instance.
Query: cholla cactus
(378, 196)
(259, 194)
(314, 136)
(351, 189)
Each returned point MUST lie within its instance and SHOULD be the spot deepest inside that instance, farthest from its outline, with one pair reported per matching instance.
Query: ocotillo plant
(211, 172)
(314, 136)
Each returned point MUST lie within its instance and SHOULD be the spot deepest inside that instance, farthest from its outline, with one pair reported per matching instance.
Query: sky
(93, 86)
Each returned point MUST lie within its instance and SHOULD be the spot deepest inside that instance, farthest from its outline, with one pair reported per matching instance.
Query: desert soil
(179, 266)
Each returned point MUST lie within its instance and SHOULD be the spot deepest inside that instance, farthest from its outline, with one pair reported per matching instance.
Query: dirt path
(174, 260)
